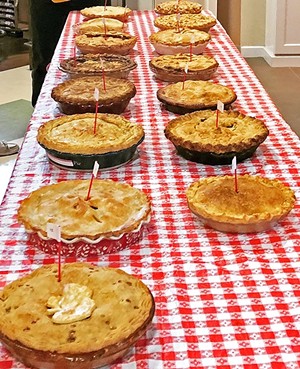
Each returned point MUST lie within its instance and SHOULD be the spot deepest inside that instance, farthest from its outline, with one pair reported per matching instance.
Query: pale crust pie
(175, 68)
(196, 95)
(114, 208)
(95, 64)
(75, 134)
(112, 42)
(124, 307)
(114, 12)
(175, 6)
(98, 25)
(193, 21)
(258, 205)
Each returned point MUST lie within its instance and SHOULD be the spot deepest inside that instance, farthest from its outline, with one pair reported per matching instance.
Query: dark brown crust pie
(197, 138)
(77, 95)
(112, 42)
(257, 206)
(196, 95)
(98, 25)
(193, 21)
(72, 138)
(114, 12)
(123, 309)
(95, 64)
(175, 6)
(172, 68)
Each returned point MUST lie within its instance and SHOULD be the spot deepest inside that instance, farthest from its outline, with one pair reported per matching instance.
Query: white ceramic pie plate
(178, 49)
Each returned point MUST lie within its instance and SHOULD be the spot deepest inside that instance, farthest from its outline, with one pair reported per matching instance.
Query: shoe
(7, 148)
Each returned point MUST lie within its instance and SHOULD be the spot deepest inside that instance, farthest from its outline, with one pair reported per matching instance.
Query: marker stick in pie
(53, 231)
(103, 75)
(96, 95)
(94, 175)
(186, 69)
(234, 172)
(191, 47)
(105, 28)
(220, 108)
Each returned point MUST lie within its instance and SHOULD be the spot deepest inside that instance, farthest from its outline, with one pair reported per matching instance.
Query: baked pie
(96, 64)
(114, 12)
(112, 42)
(197, 136)
(77, 95)
(100, 25)
(111, 218)
(257, 205)
(123, 308)
(172, 68)
(175, 6)
(188, 96)
(193, 21)
(173, 42)
(73, 141)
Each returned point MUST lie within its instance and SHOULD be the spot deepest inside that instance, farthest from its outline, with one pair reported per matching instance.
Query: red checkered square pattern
(222, 300)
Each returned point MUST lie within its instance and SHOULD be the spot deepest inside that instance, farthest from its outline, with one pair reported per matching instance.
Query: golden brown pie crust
(259, 203)
(97, 25)
(75, 134)
(112, 42)
(192, 21)
(113, 209)
(175, 6)
(124, 308)
(114, 12)
(235, 132)
(172, 37)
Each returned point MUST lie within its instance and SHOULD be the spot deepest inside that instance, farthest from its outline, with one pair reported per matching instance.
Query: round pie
(188, 96)
(173, 42)
(257, 205)
(197, 137)
(114, 12)
(123, 308)
(77, 95)
(112, 42)
(193, 21)
(96, 64)
(174, 68)
(98, 25)
(175, 6)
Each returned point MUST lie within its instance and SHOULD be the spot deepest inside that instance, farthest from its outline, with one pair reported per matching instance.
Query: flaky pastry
(114, 12)
(192, 21)
(175, 6)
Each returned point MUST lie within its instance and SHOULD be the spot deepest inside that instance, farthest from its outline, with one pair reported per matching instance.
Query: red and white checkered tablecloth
(222, 300)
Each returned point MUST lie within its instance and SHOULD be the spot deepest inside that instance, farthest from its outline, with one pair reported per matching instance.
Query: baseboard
(270, 58)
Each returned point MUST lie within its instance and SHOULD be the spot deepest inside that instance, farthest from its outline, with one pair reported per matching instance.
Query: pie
(171, 41)
(185, 97)
(112, 42)
(193, 21)
(74, 141)
(99, 25)
(257, 205)
(175, 6)
(123, 308)
(198, 137)
(174, 68)
(78, 95)
(96, 64)
(114, 12)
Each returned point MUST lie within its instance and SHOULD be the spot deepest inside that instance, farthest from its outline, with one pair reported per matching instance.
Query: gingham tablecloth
(222, 300)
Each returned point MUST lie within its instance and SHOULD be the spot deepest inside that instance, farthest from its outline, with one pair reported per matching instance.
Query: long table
(222, 300)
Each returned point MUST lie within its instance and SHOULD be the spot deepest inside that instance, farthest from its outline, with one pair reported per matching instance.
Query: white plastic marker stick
(220, 108)
(191, 47)
(186, 69)
(96, 96)
(94, 175)
(234, 172)
(54, 232)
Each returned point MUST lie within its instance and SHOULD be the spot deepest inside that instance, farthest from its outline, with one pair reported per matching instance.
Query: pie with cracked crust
(115, 12)
(175, 6)
(172, 68)
(257, 206)
(77, 95)
(171, 41)
(188, 96)
(98, 25)
(192, 21)
(197, 137)
(75, 142)
(123, 309)
(96, 64)
(112, 42)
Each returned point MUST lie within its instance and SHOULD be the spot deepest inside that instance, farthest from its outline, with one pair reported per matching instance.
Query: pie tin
(178, 76)
(86, 162)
